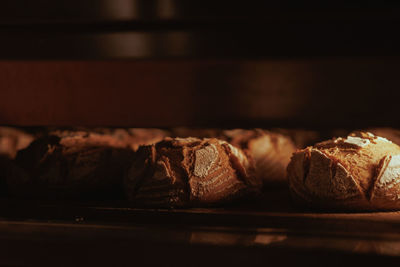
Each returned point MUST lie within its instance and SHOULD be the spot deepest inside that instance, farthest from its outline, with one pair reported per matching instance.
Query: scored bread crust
(357, 173)
(269, 151)
(187, 172)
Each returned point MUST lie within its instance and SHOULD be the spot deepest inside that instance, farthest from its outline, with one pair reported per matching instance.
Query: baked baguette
(189, 172)
(357, 173)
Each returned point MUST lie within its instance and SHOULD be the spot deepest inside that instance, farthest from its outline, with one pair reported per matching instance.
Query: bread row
(209, 167)
(93, 164)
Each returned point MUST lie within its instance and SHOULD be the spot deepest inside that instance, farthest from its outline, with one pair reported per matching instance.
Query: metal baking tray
(272, 232)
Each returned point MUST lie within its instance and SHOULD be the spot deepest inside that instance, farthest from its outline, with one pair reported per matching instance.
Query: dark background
(199, 63)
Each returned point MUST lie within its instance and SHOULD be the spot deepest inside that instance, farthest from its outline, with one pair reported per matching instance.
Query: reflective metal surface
(82, 233)
(31, 243)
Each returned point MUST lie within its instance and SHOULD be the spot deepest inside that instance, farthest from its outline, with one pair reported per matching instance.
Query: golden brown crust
(388, 133)
(270, 152)
(185, 172)
(12, 140)
(386, 188)
(116, 137)
(360, 172)
(300, 137)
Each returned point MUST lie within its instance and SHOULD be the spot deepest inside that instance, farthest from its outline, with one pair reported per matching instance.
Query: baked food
(270, 152)
(71, 165)
(189, 172)
(301, 137)
(145, 136)
(389, 133)
(357, 173)
(12, 140)
(120, 137)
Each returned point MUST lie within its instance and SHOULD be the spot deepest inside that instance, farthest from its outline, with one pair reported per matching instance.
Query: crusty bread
(270, 152)
(187, 172)
(300, 137)
(357, 173)
(71, 165)
(116, 137)
(12, 140)
(389, 133)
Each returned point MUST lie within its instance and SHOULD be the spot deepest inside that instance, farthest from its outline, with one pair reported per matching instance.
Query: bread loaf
(117, 137)
(357, 173)
(270, 152)
(189, 172)
(388, 133)
(12, 140)
(301, 137)
(71, 165)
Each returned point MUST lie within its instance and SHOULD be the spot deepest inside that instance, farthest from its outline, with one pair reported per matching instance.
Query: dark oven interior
(194, 68)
